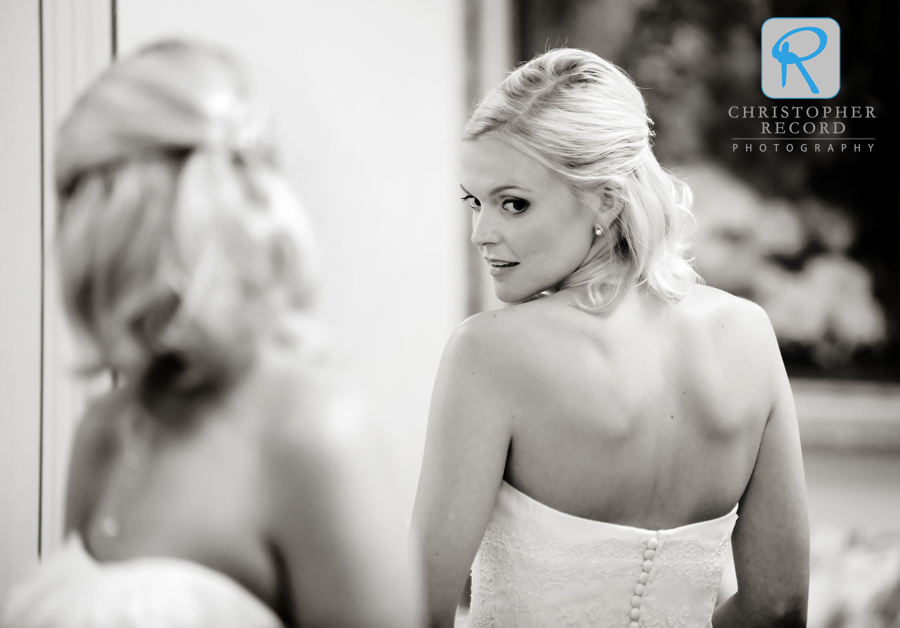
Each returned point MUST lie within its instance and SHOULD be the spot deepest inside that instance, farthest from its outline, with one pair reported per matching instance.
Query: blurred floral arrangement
(791, 259)
(811, 236)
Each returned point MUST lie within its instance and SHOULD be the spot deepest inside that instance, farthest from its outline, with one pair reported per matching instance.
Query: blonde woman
(229, 479)
(596, 446)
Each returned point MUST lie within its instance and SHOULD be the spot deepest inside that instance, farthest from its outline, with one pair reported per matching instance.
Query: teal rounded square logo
(801, 57)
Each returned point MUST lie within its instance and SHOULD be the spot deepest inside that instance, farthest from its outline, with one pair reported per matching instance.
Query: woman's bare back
(196, 491)
(276, 484)
(649, 416)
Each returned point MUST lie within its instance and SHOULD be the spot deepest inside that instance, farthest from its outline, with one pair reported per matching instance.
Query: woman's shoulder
(724, 317)
(704, 311)
(523, 348)
(511, 333)
(516, 325)
(313, 411)
(703, 296)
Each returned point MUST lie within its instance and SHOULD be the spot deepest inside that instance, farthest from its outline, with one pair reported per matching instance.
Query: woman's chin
(511, 296)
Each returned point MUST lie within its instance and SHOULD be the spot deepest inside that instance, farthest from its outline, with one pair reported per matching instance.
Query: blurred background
(368, 98)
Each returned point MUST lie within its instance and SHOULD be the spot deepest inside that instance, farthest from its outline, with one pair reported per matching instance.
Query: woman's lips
(499, 266)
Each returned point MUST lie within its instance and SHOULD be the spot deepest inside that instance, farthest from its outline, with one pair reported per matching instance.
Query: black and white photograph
(449, 314)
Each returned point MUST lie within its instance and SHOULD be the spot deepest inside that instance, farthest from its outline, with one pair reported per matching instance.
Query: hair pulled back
(179, 242)
(584, 119)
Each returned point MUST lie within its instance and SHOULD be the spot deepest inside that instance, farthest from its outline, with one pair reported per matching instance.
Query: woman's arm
(468, 437)
(771, 538)
(337, 523)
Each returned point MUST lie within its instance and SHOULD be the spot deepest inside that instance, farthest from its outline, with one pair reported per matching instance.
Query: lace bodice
(72, 590)
(538, 567)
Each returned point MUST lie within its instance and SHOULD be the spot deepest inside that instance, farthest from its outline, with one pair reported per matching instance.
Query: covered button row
(640, 587)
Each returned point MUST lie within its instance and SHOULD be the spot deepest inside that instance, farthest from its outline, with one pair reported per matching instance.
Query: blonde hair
(584, 118)
(179, 242)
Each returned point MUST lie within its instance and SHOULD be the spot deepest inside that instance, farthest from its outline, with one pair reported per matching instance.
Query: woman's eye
(515, 205)
(473, 202)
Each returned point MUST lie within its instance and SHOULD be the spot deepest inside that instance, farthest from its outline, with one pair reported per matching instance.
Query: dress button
(643, 577)
(635, 613)
(639, 589)
(653, 544)
(648, 565)
(649, 554)
(636, 601)
(110, 527)
(634, 624)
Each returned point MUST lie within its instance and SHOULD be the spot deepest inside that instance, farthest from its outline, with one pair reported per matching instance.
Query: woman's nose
(484, 228)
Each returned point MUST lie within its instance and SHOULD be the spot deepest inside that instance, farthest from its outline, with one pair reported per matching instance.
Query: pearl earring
(598, 229)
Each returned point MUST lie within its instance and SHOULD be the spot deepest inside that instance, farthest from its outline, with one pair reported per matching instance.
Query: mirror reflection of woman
(230, 478)
(594, 447)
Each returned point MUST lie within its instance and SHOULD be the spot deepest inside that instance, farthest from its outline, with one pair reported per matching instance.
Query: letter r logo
(801, 57)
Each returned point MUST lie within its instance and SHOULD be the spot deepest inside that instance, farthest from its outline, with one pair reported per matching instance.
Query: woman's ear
(607, 202)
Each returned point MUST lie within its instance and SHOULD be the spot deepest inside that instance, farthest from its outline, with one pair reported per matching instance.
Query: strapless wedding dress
(73, 590)
(539, 567)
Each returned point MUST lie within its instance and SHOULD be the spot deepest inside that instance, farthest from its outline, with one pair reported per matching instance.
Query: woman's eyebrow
(503, 188)
(496, 190)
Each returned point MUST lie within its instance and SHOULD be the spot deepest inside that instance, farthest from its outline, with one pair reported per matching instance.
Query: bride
(228, 480)
(593, 449)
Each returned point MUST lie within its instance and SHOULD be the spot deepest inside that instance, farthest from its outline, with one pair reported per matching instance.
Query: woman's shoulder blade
(731, 347)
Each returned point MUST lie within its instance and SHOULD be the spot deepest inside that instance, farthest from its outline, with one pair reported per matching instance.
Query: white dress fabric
(539, 567)
(73, 590)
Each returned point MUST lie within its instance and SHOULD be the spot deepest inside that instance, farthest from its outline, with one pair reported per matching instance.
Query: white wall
(49, 50)
(20, 287)
(76, 47)
(368, 101)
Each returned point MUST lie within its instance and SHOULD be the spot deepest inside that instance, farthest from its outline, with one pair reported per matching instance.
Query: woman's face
(526, 220)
